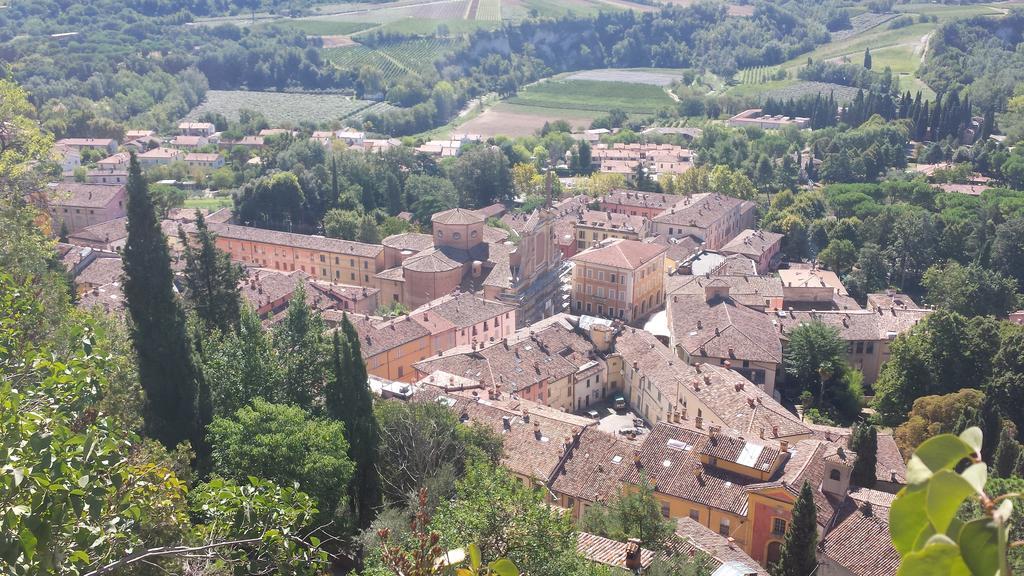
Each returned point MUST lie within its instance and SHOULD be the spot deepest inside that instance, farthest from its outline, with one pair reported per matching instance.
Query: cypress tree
(349, 400)
(167, 370)
(798, 549)
(211, 279)
(1007, 454)
(867, 58)
(864, 441)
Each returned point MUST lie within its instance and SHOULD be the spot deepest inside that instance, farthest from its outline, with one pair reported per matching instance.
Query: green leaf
(973, 438)
(503, 567)
(19, 475)
(908, 518)
(83, 480)
(28, 543)
(939, 558)
(79, 556)
(941, 452)
(979, 546)
(946, 491)
(474, 557)
(1003, 512)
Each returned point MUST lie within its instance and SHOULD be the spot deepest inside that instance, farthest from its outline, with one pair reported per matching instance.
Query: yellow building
(622, 279)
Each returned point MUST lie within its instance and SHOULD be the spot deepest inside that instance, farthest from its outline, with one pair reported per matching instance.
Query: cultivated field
(513, 120)
(652, 76)
(802, 88)
(395, 59)
(593, 95)
(280, 107)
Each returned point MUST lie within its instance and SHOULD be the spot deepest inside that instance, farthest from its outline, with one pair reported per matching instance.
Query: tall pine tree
(798, 549)
(211, 279)
(348, 399)
(167, 370)
(864, 441)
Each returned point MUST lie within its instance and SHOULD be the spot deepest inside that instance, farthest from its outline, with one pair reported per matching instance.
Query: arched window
(472, 234)
(774, 553)
(834, 474)
(456, 235)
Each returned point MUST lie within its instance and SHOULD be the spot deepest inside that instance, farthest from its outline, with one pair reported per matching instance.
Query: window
(583, 235)
(323, 258)
(695, 515)
(472, 234)
(337, 274)
(870, 348)
(834, 474)
(860, 347)
(665, 509)
(778, 526)
(365, 264)
(401, 371)
(612, 279)
(723, 527)
(440, 233)
(456, 235)
(337, 260)
(353, 275)
(578, 305)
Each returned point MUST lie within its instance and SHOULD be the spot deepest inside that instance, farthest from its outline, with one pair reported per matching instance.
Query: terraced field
(355, 57)
(595, 96)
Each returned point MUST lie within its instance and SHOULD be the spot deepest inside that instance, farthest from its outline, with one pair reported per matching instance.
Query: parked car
(594, 414)
(620, 402)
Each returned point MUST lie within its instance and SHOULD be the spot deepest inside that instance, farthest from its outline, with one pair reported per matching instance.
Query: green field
(280, 108)
(396, 59)
(355, 57)
(215, 203)
(595, 96)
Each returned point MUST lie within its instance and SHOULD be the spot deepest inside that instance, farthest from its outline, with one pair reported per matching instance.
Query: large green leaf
(976, 475)
(503, 567)
(946, 491)
(940, 452)
(979, 546)
(935, 559)
(908, 518)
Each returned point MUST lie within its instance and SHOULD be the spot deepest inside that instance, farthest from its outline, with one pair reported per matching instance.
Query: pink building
(466, 320)
(760, 246)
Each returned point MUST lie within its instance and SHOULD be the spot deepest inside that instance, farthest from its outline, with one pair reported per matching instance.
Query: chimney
(536, 430)
(892, 476)
(783, 445)
(732, 352)
(633, 561)
(698, 473)
(506, 423)
(761, 433)
(775, 431)
(699, 422)
(751, 402)
(526, 416)
(700, 325)
(636, 458)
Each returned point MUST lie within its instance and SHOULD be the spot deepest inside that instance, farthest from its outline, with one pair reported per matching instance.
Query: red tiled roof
(623, 254)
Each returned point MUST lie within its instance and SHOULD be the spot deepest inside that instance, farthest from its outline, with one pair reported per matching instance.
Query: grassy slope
(594, 95)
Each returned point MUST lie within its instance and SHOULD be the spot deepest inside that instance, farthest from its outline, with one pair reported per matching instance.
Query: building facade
(623, 279)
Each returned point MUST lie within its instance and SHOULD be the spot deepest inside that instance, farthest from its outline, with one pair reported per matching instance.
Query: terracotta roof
(742, 407)
(886, 300)
(534, 442)
(751, 243)
(457, 216)
(889, 464)
(550, 353)
(722, 328)
(493, 211)
(611, 221)
(108, 297)
(320, 243)
(680, 248)
(202, 157)
(77, 142)
(860, 540)
(394, 274)
(409, 241)
(636, 198)
(751, 291)
(494, 235)
(100, 272)
(756, 455)
(116, 158)
(608, 552)
(593, 470)
(377, 336)
(703, 211)
(807, 464)
(464, 309)
(182, 140)
(691, 535)
(622, 254)
(104, 232)
(669, 459)
(854, 325)
(811, 278)
(161, 153)
(82, 195)
(735, 265)
(432, 260)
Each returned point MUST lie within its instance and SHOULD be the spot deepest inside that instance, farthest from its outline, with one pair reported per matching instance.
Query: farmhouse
(75, 206)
